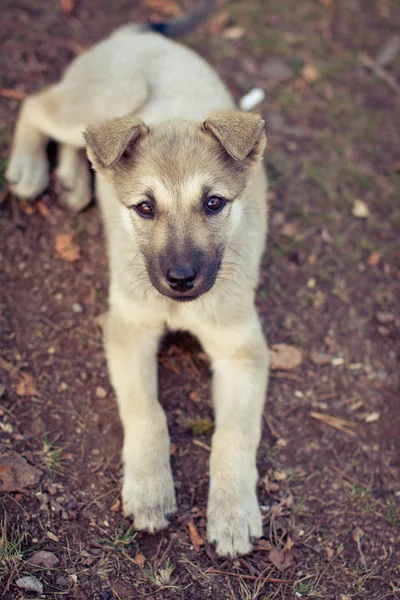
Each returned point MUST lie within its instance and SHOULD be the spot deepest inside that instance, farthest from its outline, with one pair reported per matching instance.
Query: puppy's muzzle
(181, 278)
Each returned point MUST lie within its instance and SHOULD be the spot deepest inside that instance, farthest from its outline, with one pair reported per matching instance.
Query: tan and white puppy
(182, 191)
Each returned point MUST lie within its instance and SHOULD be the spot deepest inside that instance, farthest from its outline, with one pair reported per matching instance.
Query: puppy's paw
(233, 522)
(73, 188)
(28, 173)
(149, 501)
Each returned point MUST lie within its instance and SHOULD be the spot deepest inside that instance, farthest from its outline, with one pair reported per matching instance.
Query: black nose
(181, 279)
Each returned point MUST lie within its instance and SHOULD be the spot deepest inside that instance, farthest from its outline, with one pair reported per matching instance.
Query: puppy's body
(172, 90)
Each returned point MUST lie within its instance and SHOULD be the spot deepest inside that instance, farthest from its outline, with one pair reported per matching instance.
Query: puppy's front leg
(148, 489)
(240, 362)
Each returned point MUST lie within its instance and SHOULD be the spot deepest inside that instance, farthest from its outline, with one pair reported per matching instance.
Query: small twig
(202, 445)
(346, 476)
(335, 422)
(251, 577)
(379, 71)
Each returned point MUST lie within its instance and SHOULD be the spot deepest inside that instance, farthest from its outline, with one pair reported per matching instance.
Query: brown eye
(214, 205)
(145, 209)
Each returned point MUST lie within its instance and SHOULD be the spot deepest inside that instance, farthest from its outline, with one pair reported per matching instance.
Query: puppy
(182, 190)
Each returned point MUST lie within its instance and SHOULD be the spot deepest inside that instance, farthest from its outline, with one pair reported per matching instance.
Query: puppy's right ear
(114, 140)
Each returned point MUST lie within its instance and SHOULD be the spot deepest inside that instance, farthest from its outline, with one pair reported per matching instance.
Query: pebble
(320, 358)
(43, 558)
(62, 582)
(101, 392)
(384, 317)
(250, 100)
(77, 308)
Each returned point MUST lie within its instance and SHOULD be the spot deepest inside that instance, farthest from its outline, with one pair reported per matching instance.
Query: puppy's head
(181, 185)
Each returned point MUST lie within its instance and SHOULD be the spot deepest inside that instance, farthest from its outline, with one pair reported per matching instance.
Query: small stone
(101, 392)
(63, 386)
(62, 582)
(31, 584)
(337, 361)
(360, 210)
(2, 389)
(43, 558)
(77, 308)
(320, 358)
(372, 417)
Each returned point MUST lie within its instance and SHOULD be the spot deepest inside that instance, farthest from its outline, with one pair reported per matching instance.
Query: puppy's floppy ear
(109, 141)
(241, 134)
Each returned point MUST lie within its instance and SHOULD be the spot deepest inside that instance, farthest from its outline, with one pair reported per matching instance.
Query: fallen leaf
(360, 210)
(194, 535)
(65, 247)
(100, 320)
(288, 544)
(26, 385)
(357, 534)
(289, 229)
(140, 559)
(51, 536)
(42, 208)
(310, 73)
(374, 259)
(30, 584)
(280, 560)
(67, 6)
(43, 558)
(279, 475)
(270, 486)
(217, 23)
(16, 473)
(285, 357)
(234, 33)
(172, 449)
(163, 8)
(262, 545)
(329, 553)
(13, 94)
(320, 358)
(116, 505)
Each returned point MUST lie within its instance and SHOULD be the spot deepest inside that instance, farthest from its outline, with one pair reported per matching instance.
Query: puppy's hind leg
(73, 178)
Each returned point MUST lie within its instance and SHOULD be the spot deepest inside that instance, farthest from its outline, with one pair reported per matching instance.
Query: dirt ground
(329, 458)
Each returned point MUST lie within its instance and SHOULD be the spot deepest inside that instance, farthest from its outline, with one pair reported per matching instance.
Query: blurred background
(329, 301)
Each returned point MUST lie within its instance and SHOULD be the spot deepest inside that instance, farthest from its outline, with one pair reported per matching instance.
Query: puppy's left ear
(111, 141)
(241, 134)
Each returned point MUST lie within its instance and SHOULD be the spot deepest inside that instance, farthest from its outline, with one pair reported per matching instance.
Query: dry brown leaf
(218, 22)
(26, 385)
(288, 545)
(194, 535)
(67, 6)
(285, 357)
(42, 208)
(116, 505)
(13, 94)
(289, 229)
(374, 259)
(310, 73)
(16, 473)
(65, 247)
(140, 559)
(280, 560)
(163, 8)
